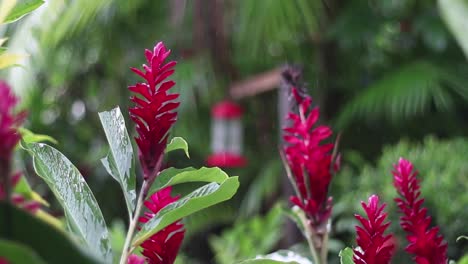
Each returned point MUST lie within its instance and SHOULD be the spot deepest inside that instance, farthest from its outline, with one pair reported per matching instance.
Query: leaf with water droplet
(203, 197)
(84, 218)
(120, 162)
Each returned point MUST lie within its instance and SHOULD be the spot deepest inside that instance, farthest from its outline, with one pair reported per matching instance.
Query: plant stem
(133, 222)
(324, 249)
(309, 234)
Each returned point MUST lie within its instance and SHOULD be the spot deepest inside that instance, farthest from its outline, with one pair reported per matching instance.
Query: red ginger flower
(309, 160)
(154, 111)
(375, 247)
(162, 247)
(424, 242)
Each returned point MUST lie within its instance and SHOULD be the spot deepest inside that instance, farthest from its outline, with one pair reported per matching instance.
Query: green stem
(324, 249)
(309, 234)
(127, 250)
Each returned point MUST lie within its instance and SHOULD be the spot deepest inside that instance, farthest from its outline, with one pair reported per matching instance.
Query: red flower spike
(134, 259)
(309, 160)
(162, 247)
(375, 247)
(154, 112)
(425, 243)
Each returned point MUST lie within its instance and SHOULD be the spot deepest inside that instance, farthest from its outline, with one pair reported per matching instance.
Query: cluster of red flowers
(425, 243)
(154, 115)
(9, 135)
(310, 161)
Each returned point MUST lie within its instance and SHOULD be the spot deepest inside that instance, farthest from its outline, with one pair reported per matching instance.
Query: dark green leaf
(16, 253)
(173, 176)
(197, 200)
(346, 256)
(22, 7)
(178, 143)
(84, 218)
(120, 161)
(50, 244)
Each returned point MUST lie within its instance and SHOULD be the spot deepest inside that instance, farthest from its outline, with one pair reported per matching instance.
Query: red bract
(425, 243)
(309, 160)
(134, 259)
(162, 247)
(375, 247)
(9, 122)
(154, 112)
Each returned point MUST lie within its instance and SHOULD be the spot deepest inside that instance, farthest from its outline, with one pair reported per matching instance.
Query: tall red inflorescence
(162, 247)
(154, 112)
(425, 243)
(310, 161)
(9, 138)
(374, 246)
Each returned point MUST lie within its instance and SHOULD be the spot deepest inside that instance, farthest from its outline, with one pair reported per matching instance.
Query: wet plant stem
(127, 250)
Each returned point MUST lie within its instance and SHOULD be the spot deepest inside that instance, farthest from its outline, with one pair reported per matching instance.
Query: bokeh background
(390, 76)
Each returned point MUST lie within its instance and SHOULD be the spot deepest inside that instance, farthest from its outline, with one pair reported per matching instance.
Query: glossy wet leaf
(173, 176)
(50, 244)
(120, 161)
(22, 8)
(178, 143)
(17, 253)
(346, 256)
(281, 256)
(454, 13)
(84, 218)
(203, 197)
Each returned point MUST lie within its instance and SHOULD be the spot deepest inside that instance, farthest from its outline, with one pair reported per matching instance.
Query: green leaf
(346, 256)
(46, 241)
(178, 143)
(30, 137)
(22, 8)
(281, 256)
(120, 161)
(17, 253)
(455, 15)
(463, 260)
(203, 197)
(84, 218)
(173, 176)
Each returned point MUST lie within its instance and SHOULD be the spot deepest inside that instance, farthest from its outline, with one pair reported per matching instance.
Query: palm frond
(412, 90)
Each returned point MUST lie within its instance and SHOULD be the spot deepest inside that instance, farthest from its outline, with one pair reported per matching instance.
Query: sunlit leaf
(197, 200)
(173, 176)
(22, 8)
(346, 256)
(120, 161)
(5, 8)
(10, 59)
(178, 143)
(47, 242)
(84, 218)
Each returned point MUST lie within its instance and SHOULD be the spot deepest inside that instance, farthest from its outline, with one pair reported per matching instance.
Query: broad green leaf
(47, 242)
(120, 161)
(30, 137)
(455, 15)
(22, 8)
(16, 253)
(346, 256)
(84, 218)
(281, 256)
(197, 200)
(9, 59)
(6, 6)
(173, 176)
(463, 260)
(178, 143)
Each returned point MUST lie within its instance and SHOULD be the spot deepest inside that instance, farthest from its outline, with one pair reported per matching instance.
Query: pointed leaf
(346, 256)
(120, 161)
(178, 143)
(31, 137)
(46, 241)
(22, 8)
(197, 200)
(84, 218)
(173, 176)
